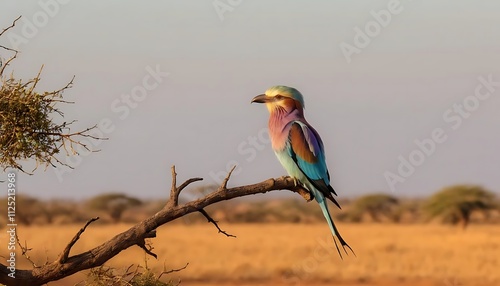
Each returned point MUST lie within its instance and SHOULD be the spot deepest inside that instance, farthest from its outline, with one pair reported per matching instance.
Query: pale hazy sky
(405, 76)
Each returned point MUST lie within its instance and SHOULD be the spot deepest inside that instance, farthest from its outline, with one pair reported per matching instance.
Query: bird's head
(281, 97)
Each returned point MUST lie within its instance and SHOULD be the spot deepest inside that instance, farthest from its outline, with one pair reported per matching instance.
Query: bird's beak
(262, 98)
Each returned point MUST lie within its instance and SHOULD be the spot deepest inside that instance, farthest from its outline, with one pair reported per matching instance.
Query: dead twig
(172, 270)
(64, 255)
(147, 248)
(11, 26)
(211, 220)
(24, 251)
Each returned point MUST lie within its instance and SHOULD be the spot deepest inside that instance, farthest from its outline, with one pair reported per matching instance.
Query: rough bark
(66, 265)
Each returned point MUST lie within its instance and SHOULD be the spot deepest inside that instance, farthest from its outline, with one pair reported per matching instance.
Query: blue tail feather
(320, 198)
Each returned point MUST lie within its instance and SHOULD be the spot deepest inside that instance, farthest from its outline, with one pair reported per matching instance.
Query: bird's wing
(306, 149)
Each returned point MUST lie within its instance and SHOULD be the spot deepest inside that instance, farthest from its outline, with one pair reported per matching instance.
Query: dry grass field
(296, 254)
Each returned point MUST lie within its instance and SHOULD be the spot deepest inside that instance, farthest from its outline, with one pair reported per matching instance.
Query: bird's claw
(296, 182)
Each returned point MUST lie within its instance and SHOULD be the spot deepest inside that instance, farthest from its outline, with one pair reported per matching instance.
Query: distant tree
(375, 205)
(63, 211)
(455, 204)
(113, 204)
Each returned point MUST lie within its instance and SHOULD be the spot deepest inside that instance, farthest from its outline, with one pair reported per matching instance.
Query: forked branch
(67, 265)
(64, 255)
(175, 191)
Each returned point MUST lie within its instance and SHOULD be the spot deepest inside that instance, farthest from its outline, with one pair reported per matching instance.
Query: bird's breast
(279, 136)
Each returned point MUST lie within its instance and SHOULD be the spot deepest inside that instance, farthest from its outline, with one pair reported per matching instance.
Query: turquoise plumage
(299, 148)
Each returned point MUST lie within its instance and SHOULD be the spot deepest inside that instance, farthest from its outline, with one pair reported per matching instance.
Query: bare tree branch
(172, 270)
(3, 66)
(67, 265)
(142, 244)
(223, 186)
(7, 63)
(188, 182)
(25, 250)
(10, 27)
(175, 191)
(210, 219)
(5, 30)
(64, 255)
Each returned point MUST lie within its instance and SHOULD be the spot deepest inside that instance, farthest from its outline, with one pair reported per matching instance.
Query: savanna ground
(294, 254)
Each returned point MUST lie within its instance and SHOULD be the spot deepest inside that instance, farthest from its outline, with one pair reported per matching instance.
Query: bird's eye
(279, 97)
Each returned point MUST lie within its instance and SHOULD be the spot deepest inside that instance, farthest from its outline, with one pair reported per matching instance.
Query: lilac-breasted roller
(299, 148)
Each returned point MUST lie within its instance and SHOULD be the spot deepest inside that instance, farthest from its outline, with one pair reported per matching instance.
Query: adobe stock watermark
(454, 117)
(363, 37)
(248, 148)
(122, 108)
(221, 7)
(11, 223)
(30, 26)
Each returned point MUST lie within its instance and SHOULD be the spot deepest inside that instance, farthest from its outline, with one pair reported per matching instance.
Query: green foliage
(28, 129)
(376, 206)
(26, 126)
(141, 276)
(113, 203)
(455, 204)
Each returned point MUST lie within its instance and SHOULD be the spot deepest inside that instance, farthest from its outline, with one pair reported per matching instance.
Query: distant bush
(377, 207)
(29, 210)
(114, 204)
(481, 206)
(455, 204)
